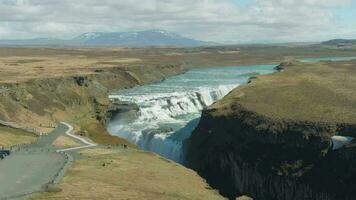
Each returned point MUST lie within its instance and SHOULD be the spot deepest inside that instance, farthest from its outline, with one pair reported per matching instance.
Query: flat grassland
(129, 174)
(10, 137)
(21, 64)
(319, 92)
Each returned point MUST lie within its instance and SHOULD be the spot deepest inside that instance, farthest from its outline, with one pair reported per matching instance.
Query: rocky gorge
(78, 98)
(272, 139)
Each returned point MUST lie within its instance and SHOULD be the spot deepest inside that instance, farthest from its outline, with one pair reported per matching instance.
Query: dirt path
(86, 143)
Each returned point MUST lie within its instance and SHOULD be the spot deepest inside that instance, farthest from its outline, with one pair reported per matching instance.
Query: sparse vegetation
(96, 132)
(10, 137)
(129, 174)
(322, 92)
(64, 142)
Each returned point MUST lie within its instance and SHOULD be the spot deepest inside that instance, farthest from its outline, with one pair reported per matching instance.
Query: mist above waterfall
(169, 111)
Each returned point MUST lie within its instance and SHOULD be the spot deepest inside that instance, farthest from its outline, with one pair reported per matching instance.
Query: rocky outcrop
(242, 152)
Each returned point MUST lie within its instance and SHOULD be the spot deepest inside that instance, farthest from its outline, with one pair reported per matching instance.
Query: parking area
(28, 171)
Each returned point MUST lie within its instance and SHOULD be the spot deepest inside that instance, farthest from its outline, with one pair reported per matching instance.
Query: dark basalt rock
(272, 159)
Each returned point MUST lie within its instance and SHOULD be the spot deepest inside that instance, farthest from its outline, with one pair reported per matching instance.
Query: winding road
(69, 133)
(30, 168)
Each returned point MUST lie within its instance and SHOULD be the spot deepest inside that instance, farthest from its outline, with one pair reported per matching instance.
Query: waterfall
(169, 111)
(161, 125)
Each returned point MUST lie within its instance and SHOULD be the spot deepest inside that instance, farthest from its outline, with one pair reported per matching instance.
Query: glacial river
(170, 110)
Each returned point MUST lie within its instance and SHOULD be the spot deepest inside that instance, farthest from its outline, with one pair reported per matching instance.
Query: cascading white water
(170, 108)
(169, 111)
(158, 107)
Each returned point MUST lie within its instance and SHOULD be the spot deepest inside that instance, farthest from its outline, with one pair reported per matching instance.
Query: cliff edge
(81, 99)
(272, 139)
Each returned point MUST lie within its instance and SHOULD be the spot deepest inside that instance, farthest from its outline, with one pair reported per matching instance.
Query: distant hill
(340, 42)
(141, 38)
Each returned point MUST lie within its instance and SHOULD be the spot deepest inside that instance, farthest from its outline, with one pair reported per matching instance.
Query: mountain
(141, 38)
(340, 42)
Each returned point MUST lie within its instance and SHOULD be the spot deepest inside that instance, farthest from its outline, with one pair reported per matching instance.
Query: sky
(226, 21)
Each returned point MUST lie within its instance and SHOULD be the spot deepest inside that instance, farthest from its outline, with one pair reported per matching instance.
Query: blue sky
(346, 15)
(241, 21)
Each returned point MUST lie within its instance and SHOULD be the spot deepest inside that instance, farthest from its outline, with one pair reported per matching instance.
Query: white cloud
(4, 31)
(217, 20)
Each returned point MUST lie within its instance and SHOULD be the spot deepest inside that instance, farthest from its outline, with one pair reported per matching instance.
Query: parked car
(4, 153)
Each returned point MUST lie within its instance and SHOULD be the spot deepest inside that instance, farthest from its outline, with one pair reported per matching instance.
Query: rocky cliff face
(37, 103)
(240, 152)
(272, 139)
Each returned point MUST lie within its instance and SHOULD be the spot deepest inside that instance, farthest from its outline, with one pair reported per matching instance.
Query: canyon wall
(247, 153)
(38, 103)
(241, 149)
